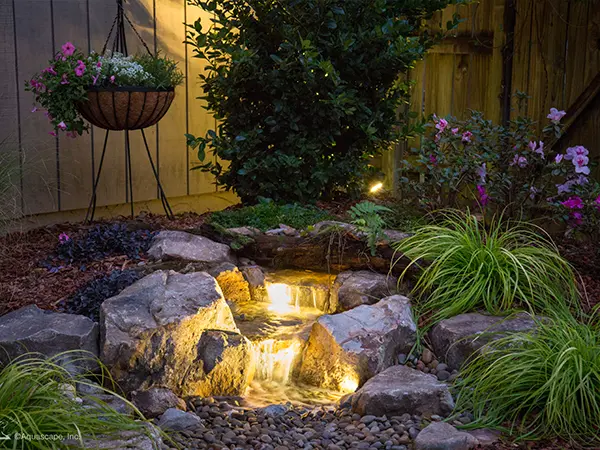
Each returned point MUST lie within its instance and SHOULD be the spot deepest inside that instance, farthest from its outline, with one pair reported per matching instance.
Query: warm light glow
(349, 383)
(376, 188)
(274, 359)
(280, 296)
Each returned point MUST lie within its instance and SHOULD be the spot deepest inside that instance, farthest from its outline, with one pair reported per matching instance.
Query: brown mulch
(24, 280)
(585, 258)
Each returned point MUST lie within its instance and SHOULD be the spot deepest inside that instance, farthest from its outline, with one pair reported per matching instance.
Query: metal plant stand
(148, 110)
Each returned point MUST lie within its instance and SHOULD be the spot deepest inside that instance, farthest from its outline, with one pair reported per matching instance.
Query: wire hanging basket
(126, 108)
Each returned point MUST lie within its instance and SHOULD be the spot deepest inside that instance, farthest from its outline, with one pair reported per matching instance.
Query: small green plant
(366, 216)
(545, 383)
(267, 215)
(36, 398)
(468, 266)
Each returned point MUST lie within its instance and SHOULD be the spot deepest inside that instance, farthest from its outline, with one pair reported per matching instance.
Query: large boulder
(255, 277)
(223, 366)
(352, 289)
(189, 247)
(151, 330)
(177, 420)
(401, 390)
(345, 350)
(33, 330)
(455, 340)
(443, 436)
(148, 438)
(154, 402)
(232, 282)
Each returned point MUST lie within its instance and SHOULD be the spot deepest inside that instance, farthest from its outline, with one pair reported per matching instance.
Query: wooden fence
(548, 49)
(56, 174)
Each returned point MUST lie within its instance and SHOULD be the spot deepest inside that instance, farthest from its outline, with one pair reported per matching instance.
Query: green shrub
(268, 215)
(468, 266)
(305, 92)
(33, 402)
(546, 382)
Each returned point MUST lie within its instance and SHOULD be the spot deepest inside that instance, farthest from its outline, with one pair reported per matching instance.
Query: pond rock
(144, 439)
(455, 340)
(176, 420)
(223, 365)
(345, 350)
(401, 390)
(155, 401)
(255, 277)
(33, 330)
(232, 282)
(363, 287)
(443, 436)
(151, 330)
(189, 247)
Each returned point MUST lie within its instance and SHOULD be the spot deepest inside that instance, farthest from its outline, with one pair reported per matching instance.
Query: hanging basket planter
(126, 108)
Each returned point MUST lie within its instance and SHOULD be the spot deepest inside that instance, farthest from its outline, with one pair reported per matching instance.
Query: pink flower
(63, 238)
(581, 180)
(532, 145)
(52, 133)
(34, 109)
(520, 161)
(533, 191)
(433, 160)
(112, 79)
(454, 131)
(556, 115)
(580, 163)
(50, 70)
(597, 201)
(579, 150)
(99, 64)
(62, 126)
(466, 137)
(573, 203)
(442, 125)
(68, 49)
(95, 79)
(483, 196)
(577, 218)
(559, 158)
(566, 187)
(80, 69)
(71, 134)
(64, 79)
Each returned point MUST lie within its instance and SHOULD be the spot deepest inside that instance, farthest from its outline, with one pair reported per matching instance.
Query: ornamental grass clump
(542, 383)
(36, 399)
(504, 266)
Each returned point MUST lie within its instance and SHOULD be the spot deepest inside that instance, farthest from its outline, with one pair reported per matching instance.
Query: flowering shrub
(505, 167)
(64, 83)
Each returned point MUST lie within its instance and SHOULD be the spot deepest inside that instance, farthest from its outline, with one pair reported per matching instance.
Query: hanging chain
(120, 35)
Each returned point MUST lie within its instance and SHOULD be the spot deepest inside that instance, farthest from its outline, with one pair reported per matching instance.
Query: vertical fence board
(593, 42)
(34, 49)
(10, 194)
(111, 186)
(200, 120)
(577, 45)
(170, 16)
(70, 19)
(522, 49)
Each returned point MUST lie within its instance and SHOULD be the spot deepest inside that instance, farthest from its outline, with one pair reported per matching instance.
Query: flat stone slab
(363, 287)
(150, 332)
(189, 247)
(33, 330)
(455, 340)
(443, 436)
(401, 390)
(345, 350)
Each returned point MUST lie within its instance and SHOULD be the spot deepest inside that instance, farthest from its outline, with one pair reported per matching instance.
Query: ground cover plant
(538, 384)
(268, 215)
(500, 266)
(305, 92)
(36, 399)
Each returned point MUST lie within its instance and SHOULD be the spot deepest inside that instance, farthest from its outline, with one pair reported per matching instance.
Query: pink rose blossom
(573, 203)
(466, 137)
(68, 49)
(556, 115)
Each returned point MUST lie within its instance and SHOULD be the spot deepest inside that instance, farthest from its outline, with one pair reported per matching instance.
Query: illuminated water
(278, 330)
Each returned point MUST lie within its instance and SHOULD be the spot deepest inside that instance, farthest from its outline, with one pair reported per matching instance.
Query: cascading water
(278, 330)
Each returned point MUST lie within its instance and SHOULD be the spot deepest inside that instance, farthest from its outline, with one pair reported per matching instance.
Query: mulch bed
(24, 280)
